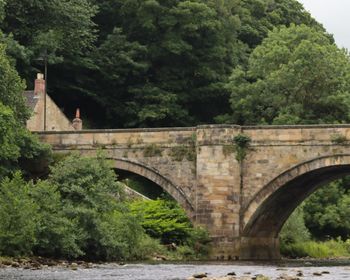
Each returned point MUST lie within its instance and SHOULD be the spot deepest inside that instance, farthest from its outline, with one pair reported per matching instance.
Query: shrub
(199, 241)
(178, 153)
(93, 199)
(56, 235)
(118, 236)
(87, 182)
(148, 247)
(18, 217)
(294, 230)
(167, 221)
(163, 220)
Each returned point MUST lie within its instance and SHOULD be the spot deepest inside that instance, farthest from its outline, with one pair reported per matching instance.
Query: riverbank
(242, 270)
(36, 263)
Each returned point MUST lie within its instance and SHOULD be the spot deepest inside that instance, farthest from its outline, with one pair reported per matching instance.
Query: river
(338, 270)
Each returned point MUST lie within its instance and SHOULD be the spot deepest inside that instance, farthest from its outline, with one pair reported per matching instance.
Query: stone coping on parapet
(209, 126)
(250, 127)
(119, 130)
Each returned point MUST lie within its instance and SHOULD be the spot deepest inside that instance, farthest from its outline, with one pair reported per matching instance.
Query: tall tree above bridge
(64, 29)
(187, 50)
(297, 75)
(190, 48)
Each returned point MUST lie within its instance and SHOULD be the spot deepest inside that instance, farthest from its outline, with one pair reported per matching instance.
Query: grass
(319, 250)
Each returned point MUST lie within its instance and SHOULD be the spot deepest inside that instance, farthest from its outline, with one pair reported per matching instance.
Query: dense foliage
(77, 212)
(18, 147)
(141, 63)
(327, 211)
(18, 217)
(289, 234)
(295, 76)
(80, 211)
(319, 228)
(165, 220)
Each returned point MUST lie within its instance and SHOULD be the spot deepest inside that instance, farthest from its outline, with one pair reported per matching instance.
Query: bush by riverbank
(81, 213)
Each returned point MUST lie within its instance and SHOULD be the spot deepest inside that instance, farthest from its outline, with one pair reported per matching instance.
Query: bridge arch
(264, 216)
(153, 175)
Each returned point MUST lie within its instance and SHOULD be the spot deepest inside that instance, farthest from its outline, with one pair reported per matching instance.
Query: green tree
(294, 230)
(297, 75)
(88, 182)
(56, 234)
(121, 64)
(258, 17)
(92, 198)
(51, 25)
(169, 61)
(9, 148)
(157, 63)
(18, 217)
(326, 210)
(61, 30)
(120, 235)
(17, 146)
(11, 88)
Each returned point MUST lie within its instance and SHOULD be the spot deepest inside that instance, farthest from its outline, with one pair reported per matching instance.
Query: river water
(337, 271)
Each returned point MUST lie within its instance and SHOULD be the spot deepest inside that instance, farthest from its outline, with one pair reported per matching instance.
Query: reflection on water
(338, 270)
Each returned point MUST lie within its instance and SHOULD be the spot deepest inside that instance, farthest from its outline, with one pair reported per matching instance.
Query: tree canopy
(50, 25)
(142, 63)
(167, 61)
(297, 75)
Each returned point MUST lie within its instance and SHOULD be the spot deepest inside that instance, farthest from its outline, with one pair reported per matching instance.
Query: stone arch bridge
(243, 203)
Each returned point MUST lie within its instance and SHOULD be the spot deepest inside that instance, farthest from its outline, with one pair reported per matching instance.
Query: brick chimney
(39, 86)
(77, 122)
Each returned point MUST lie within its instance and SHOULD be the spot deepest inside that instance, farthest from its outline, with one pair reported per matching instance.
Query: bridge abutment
(259, 248)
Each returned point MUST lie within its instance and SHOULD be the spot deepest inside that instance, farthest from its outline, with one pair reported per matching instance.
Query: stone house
(54, 119)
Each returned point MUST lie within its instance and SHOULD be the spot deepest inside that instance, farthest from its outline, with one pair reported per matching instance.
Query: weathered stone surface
(242, 204)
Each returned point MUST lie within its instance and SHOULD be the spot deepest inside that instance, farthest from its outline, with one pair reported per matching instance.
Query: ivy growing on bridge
(338, 139)
(188, 151)
(242, 143)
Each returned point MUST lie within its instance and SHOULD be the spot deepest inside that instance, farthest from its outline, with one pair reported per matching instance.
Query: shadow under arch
(154, 176)
(266, 213)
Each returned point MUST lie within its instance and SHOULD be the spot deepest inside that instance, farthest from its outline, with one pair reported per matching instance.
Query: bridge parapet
(118, 137)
